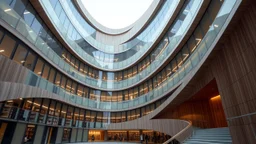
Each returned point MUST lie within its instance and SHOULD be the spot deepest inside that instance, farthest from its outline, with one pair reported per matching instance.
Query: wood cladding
(234, 68)
(204, 109)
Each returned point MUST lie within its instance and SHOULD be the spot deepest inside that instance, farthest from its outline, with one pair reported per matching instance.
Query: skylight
(116, 14)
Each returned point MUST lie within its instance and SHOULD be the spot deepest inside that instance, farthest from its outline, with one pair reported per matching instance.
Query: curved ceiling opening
(116, 14)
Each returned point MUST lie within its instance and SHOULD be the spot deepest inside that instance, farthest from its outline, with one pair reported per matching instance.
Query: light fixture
(1, 50)
(186, 10)
(30, 31)
(7, 10)
(26, 12)
(22, 61)
(216, 25)
(216, 97)
(39, 73)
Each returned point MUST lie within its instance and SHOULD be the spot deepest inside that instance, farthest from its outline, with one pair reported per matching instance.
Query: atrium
(184, 71)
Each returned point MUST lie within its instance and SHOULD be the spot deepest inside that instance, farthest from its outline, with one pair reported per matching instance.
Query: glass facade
(114, 80)
(85, 102)
(55, 113)
(155, 87)
(124, 60)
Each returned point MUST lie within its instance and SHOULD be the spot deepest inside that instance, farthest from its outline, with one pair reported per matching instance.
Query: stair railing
(183, 134)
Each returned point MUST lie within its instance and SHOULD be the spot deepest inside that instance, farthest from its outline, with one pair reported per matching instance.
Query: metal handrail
(245, 115)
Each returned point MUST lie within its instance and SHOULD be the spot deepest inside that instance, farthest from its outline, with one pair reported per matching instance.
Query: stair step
(208, 140)
(198, 142)
(210, 136)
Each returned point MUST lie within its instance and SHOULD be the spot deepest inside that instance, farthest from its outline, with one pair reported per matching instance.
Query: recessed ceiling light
(7, 10)
(27, 12)
(1, 50)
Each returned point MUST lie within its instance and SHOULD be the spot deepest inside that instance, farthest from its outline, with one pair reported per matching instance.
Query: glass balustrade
(88, 32)
(116, 65)
(166, 50)
(191, 62)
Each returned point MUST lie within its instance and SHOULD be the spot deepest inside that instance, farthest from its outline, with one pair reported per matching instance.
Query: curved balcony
(109, 40)
(63, 115)
(161, 54)
(109, 62)
(132, 30)
(92, 35)
(182, 70)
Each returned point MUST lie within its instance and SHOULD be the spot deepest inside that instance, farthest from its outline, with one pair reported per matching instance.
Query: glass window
(53, 3)
(68, 85)
(75, 117)
(113, 117)
(28, 104)
(57, 109)
(205, 23)
(57, 79)
(36, 105)
(99, 116)
(19, 6)
(123, 116)
(63, 111)
(70, 112)
(36, 25)
(63, 82)
(81, 116)
(6, 46)
(39, 67)
(120, 96)
(43, 32)
(80, 91)
(81, 68)
(73, 89)
(86, 92)
(20, 55)
(118, 117)
(30, 61)
(58, 9)
(52, 106)
(29, 14)
(52, 75)
(46, 71)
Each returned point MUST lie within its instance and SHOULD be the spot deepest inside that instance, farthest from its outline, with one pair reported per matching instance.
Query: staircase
(210, 136)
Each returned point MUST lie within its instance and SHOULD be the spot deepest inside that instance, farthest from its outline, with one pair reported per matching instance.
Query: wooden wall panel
(217, 112)
(233, 65)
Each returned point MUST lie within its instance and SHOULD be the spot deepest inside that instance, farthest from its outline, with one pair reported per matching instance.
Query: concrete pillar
(59, 135)
(79, 135)
(19, 133)
(73, 135)
(39, 134)
(85, 135)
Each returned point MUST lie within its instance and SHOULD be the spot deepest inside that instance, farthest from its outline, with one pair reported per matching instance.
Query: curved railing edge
(183, 134)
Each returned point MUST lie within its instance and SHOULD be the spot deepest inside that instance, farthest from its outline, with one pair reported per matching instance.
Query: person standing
(141, 138)
(146, 138)
(93, 137)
